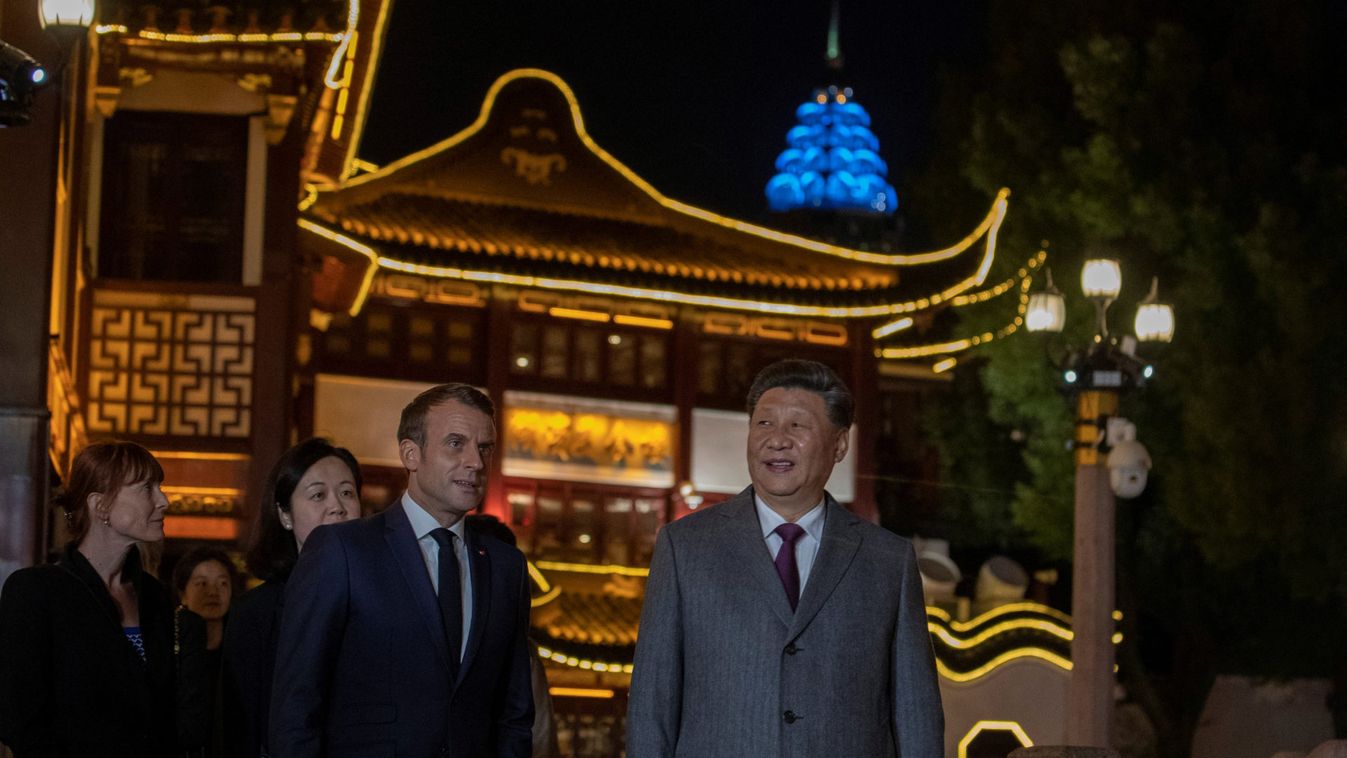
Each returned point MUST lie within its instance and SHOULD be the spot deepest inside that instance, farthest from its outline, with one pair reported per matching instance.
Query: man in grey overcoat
(778, 623)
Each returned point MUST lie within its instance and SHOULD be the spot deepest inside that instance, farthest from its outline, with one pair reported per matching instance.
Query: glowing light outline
(1005, 627)
(339, 55)
(956, 346)
(1025, 606)
(999, 661)
(355, 246)
(989, 226)
(1001, 726)
(366, 88)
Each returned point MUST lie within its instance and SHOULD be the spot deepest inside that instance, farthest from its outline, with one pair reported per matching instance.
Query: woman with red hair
(86, 643)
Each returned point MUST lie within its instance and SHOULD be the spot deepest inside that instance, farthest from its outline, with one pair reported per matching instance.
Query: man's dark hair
(412, 425)
(794, 373)
(272, 552)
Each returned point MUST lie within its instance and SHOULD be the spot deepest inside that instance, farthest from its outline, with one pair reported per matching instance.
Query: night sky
(695, 96)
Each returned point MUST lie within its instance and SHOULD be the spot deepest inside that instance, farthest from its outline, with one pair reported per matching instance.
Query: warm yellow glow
(375, 47)
(583, 663)
(1117, 638)
(201, 528)
(345, 50)
(589, 568)
(191, 455)
(922, 351)
(943, 365)
(545, 598)
(892, 327)
(989, 226)
(1046, 313)
(1101, 277)
(1001, 660)
(1155, 322)
(76, 13)
(206, 491)
(1000, 726)
(603, 694)
(310, 196)
(646, 321)
(1000, 610)
(576, 313)
(358, 247)
(668, 296)
(538, 577)
(1117, 616)
(221, 37)
(362, 165)
(1013, 625)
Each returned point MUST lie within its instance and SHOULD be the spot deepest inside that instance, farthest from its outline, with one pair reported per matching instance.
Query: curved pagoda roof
(525, 196)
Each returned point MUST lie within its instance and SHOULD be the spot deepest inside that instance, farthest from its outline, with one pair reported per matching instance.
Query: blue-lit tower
(831, 162)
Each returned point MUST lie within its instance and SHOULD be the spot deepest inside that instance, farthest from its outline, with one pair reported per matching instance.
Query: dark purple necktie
(785, 561)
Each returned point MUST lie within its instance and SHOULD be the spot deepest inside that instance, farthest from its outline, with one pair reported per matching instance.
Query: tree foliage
(1204, 145)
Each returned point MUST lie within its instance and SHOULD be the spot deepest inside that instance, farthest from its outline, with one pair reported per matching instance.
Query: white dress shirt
(422, 525)
(806, 547)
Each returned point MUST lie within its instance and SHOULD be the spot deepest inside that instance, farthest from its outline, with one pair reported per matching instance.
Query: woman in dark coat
(313, 483)
(86, 644)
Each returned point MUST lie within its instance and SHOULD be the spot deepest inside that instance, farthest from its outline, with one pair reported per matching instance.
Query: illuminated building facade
(199, 309)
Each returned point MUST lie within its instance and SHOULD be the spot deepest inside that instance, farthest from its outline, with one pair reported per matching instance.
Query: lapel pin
(481, 551)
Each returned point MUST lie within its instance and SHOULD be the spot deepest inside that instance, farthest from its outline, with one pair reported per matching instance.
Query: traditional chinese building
(227, 277)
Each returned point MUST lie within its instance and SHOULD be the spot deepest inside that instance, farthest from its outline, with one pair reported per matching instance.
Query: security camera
(20, 77)
(1128, 466)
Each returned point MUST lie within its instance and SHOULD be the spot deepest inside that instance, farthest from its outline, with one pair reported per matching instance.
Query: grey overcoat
(724, 668)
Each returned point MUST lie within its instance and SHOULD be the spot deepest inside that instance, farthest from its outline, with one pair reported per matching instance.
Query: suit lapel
(480, 561)
(407, 555)
(750, 553)
(835, 552)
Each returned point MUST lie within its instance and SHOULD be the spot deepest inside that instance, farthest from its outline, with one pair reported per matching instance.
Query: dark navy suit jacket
(361, 658)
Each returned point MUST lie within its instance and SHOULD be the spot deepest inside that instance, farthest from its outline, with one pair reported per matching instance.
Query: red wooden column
(497, 358)
(865, 390)
(685, 370)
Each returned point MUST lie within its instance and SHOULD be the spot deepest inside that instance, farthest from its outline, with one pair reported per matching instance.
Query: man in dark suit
(403, 633)
(778, 623)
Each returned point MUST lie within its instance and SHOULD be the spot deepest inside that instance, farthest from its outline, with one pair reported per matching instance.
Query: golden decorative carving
(595, 439)
(170, 365)
(280, 109)
(532, 167)
(255, 83)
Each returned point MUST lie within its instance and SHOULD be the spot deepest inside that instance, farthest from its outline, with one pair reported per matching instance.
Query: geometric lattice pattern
(171, 365)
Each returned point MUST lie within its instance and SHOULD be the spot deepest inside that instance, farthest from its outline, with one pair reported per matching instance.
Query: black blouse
(73, 684)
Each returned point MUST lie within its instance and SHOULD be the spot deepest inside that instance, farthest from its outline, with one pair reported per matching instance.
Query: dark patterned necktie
(785, 561)
(450, 596)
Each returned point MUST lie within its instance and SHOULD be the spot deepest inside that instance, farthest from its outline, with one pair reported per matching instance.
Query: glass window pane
(524, 349)
(588, 355)
(621, 359)
(555, 354)
(652, 361)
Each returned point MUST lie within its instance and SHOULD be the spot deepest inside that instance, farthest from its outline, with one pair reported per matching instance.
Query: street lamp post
(1096, 376)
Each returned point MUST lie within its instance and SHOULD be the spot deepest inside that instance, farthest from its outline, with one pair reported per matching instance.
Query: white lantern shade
(71, 13)
(1101, 277)
(1155, 322)
(1046, 312)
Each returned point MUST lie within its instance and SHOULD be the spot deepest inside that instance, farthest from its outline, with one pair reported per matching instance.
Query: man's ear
(410, 453)
(842, 445)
